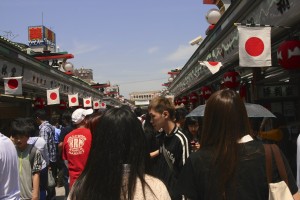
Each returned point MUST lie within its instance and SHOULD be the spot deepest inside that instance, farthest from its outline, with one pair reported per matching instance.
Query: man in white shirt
(9, 176)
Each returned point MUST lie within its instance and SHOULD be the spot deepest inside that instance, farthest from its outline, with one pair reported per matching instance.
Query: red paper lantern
(193, 97)
(288, 54)
(62, 105)
(206, 91)
(231, 79)
(39, 103)
(184, 100)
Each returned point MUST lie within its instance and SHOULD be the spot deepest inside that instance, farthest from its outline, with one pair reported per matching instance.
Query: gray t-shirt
(26, 172)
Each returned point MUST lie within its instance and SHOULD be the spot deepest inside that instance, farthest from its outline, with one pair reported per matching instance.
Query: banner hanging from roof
(13, 85)
(73, 100)
(213, 66)
(254, 46)
(87, 102)
(96, 104)
(103, 105)
(53, 96)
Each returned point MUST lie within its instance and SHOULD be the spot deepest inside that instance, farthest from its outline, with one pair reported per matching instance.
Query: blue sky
(132, 43)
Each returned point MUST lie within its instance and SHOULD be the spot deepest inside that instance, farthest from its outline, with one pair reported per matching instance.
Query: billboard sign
(41, 36)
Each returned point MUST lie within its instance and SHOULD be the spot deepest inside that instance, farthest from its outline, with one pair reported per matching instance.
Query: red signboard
(209, 1)
(41, 35)
(35, 33)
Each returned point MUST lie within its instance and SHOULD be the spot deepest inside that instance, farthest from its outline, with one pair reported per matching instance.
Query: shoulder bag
(280, 190)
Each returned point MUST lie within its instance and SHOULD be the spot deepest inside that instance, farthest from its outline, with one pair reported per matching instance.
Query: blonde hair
(161, 104)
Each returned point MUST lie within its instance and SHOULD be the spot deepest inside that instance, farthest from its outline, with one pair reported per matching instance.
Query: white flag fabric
(73, 99)
(13, 85)
(213, 66)
(103, 105)
(96, 104)
(53, 96)
(87, 102)
(254, 46)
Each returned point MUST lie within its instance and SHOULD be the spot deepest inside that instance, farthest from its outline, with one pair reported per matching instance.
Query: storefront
(37, 78)
(276, 87)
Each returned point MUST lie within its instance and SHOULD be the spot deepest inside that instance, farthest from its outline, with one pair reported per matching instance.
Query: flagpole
(259, 25)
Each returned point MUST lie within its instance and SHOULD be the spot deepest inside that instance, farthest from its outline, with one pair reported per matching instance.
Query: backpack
(32, 155)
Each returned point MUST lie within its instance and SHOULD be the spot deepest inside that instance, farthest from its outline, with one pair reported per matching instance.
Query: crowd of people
(124, 154)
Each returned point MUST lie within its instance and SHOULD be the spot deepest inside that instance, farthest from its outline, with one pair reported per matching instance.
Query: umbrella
(253, 110)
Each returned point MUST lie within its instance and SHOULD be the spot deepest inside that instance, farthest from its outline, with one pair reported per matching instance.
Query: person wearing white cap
(77, 144)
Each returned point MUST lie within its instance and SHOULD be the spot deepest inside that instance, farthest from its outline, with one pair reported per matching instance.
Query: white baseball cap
(79, 114)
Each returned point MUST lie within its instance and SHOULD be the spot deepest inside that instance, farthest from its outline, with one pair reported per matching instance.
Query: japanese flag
(213, 66)
(73, 99)
(53, 96)
(103, 105)
(13, 85)
(87, 102)
(96, 104)
(255, 46)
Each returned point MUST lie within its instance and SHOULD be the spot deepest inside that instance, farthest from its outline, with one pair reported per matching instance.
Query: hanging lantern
(205, 92)
(193, 97)
(213, 16)
(39, 103)
(184, 100)
(288, 54)
(68, 68)
(231, 79)
(62, 105)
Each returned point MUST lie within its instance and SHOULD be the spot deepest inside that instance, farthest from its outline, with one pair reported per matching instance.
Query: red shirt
(76, 149)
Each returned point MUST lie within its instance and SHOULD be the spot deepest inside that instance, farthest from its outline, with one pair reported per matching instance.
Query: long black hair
(118, 140)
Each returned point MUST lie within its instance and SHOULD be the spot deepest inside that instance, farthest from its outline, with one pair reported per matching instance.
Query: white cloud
(82, 48)
(182, 53)
(152, 50)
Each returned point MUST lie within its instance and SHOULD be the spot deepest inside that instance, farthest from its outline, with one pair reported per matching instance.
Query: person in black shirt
(230, 163)
(173, 148)
(67, 128)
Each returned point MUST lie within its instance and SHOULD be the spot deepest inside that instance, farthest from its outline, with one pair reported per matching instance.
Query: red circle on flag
(12, 83)
(87, 102)
(96, 104)
(73, 99)
(213, 63)
(53, 96)
(254, 46)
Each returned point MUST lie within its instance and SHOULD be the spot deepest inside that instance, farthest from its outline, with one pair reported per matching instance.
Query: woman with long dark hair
(230, 163)
(115, 168)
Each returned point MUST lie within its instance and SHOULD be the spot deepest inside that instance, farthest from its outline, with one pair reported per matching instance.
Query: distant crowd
(160, 153)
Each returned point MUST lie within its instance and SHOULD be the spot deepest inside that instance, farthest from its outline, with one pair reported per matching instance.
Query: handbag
(280, 190)
(51, 180)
